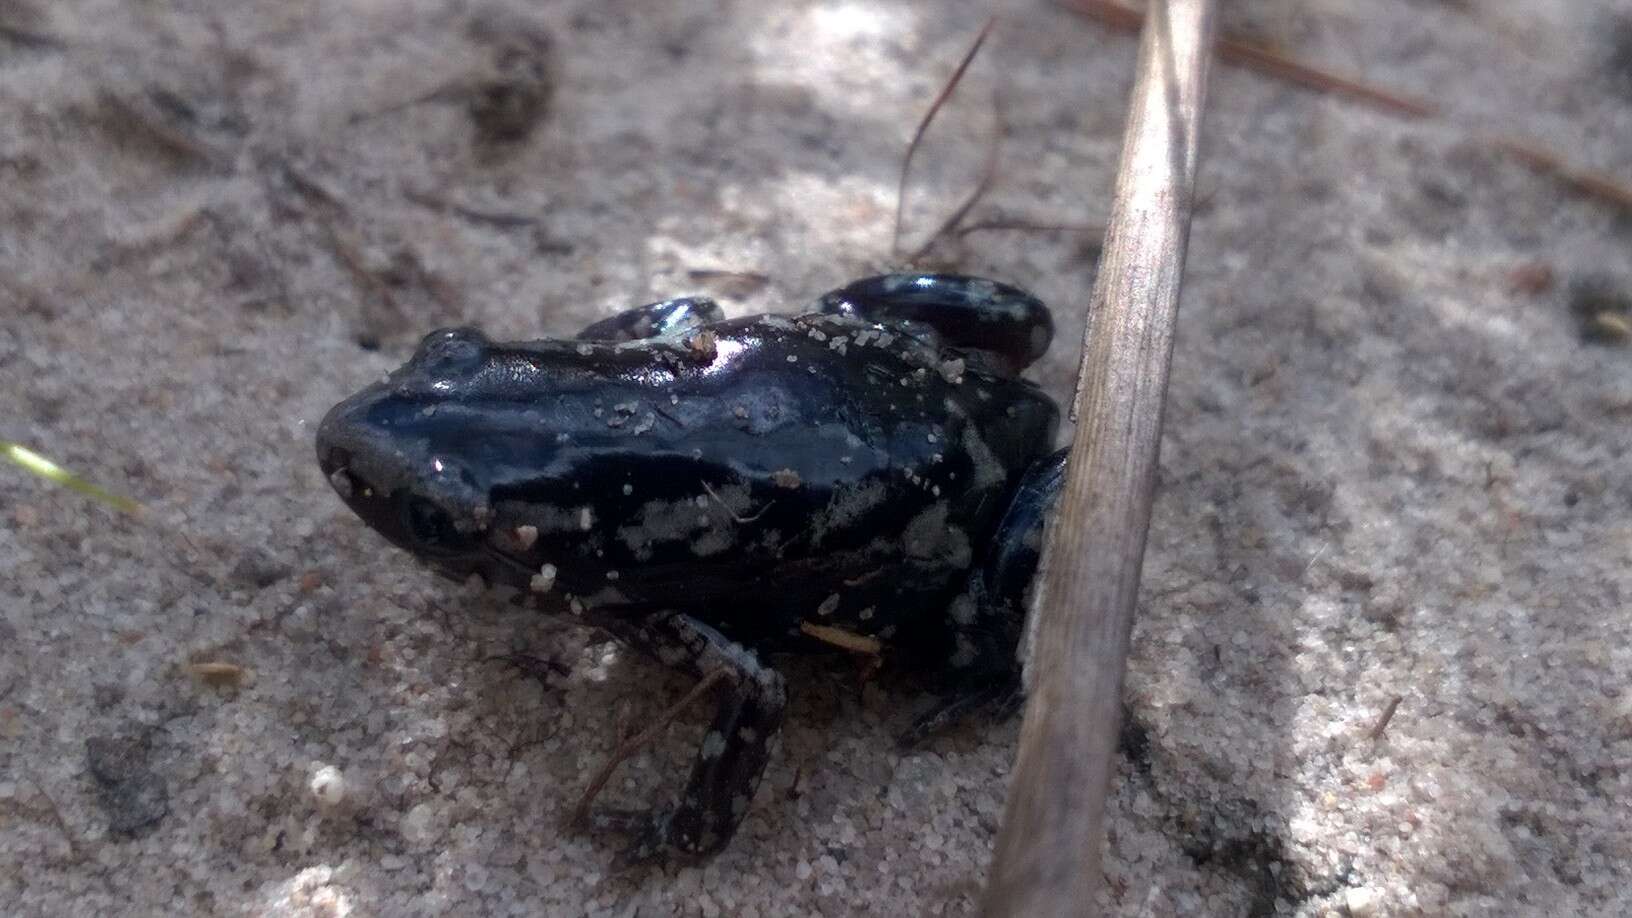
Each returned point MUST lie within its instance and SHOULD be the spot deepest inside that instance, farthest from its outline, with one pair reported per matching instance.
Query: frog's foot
(1002, 697)
(655, 320)
(1003, 329)
(731, 761)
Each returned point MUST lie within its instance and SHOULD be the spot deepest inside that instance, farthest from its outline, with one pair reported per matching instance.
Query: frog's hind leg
(732, 758)
(1004, 328)
(987, 619)
(655, 320)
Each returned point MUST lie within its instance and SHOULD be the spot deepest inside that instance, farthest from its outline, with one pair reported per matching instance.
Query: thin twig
(580, 813)
(1586, 181)
(56, 816)
(923, 126)
(1274, 63)
(1048, 854)
(499, 219)
(1029, 226)
(1376, 731)
(988, 174)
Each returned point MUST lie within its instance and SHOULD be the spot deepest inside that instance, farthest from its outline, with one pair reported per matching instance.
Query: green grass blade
(45, 468)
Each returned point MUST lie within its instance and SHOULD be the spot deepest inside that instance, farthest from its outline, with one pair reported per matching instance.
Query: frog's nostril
(336, 457)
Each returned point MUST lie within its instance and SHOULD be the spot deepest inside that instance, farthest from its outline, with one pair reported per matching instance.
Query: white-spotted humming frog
(713, 490)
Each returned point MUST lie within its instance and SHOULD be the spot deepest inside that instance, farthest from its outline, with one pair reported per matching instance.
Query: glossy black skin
(702, 488)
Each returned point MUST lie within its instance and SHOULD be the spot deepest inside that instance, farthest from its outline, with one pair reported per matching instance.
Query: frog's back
(814, 467)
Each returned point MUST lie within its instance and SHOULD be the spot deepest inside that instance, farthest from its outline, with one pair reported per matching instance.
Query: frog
(872, 472)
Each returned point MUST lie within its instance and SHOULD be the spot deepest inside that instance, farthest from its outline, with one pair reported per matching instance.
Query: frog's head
(411, 455)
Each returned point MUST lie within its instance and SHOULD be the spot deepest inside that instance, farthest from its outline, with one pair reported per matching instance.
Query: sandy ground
(1394, 466)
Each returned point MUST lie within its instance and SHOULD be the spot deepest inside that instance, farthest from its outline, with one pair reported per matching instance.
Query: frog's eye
(431, 527)
(449, 349)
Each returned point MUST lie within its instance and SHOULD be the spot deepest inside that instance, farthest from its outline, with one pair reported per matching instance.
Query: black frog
(711, 491)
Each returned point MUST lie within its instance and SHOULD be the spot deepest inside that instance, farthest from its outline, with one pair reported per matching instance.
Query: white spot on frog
(929, 538)
(545, 519)
(713, 745)
(846, 506)
(712, 542)
(586, 518)
(988, 470)
(829, 605)
(544, 580)
(962, 609)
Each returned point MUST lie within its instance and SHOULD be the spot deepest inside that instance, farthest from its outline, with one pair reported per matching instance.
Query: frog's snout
(332, 433)
(348, 453)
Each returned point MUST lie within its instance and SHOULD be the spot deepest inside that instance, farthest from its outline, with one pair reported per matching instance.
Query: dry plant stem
(1273, 63)
(988, 174)
(923, 126)
(1048, 853)
(1376, 731)
(580, 813)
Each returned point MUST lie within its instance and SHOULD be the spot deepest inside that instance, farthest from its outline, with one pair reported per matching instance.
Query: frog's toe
(648, 828)
(650, 847)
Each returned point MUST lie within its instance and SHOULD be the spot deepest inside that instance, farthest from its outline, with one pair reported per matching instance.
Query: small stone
(419, 826)
(1360, 901)
(258, 569)
(132, 795)
(328, 785)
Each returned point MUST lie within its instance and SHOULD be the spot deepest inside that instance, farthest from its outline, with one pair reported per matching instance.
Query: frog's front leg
(988, 618)
(655, 320)
(732, 758)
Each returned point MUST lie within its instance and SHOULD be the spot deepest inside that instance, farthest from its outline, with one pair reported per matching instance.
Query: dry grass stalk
(1048, 853)
(1271, 62)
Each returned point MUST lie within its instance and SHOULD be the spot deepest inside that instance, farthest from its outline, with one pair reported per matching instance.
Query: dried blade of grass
(632, 745)
(1269, 61)
(1274, 63)
(1048, 853)
(988, 174)
(923, 127)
